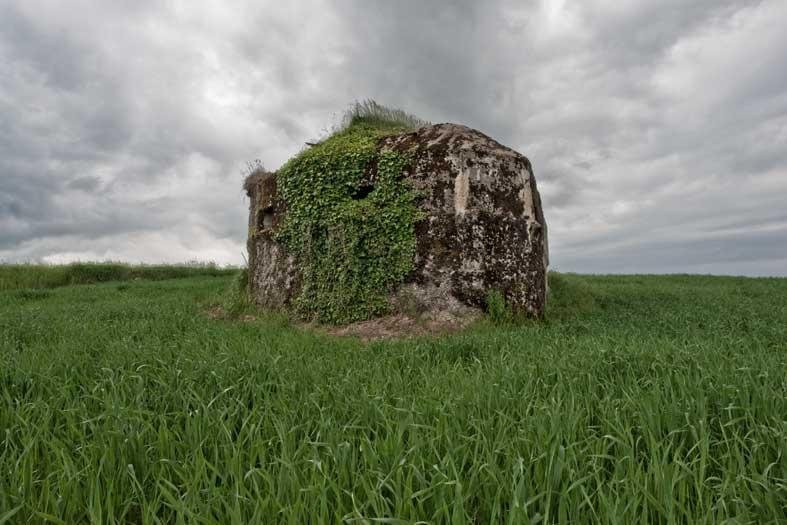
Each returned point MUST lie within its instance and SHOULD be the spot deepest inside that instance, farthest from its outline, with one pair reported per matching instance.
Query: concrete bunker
(479, 227)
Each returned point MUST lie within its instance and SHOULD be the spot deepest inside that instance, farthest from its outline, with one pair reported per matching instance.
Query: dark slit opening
(265, 219)
(362, 192)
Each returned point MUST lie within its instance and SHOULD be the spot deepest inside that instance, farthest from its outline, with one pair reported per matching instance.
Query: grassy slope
(643, 399)
(20, 276)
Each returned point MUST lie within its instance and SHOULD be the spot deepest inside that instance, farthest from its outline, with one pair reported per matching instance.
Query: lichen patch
(461, 192)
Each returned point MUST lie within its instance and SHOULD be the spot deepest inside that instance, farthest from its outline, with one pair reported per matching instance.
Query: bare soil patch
(395, 326)
(398, 326)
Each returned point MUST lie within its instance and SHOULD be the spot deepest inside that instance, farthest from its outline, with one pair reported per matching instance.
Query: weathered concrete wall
(274, 279)
(484, 228)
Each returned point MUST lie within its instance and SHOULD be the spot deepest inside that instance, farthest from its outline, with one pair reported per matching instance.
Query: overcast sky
(657, 128)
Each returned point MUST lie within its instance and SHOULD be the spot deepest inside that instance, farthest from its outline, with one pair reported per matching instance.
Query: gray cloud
(657, 128)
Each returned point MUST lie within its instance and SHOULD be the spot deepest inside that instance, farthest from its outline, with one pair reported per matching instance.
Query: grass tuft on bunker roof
(376, 115)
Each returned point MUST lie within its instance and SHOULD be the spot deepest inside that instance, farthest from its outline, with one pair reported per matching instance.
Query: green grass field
(641, 399)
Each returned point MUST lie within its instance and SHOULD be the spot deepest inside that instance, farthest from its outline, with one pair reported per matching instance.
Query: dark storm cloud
(442, 60)
(86, 183)
(657, 128)
(632, 33)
